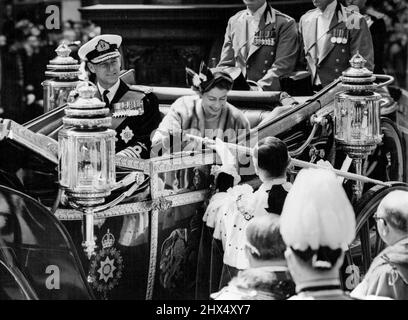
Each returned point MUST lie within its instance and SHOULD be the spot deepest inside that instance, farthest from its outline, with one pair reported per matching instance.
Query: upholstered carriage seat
(255, 116)
(255, 105)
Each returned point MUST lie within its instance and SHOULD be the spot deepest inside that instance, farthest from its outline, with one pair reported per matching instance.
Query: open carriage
(41, 240)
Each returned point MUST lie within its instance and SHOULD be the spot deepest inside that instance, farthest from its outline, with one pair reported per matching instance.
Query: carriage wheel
(367, 244)
(388, 161)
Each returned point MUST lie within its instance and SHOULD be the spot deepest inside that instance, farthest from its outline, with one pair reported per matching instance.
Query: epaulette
(140, 88)
(283, 15)
(306, 15)
(239, 13)
(310, 11)
(375, 14)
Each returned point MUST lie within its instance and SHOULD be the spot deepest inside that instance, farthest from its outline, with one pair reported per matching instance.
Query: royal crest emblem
(102, 46)
(106, 267)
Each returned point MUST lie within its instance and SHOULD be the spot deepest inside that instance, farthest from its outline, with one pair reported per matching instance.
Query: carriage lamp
(357, 116)
(61, 78)
(87, 156)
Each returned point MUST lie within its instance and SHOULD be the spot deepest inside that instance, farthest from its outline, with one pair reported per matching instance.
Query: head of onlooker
(387, 276)
(392, 217)
(267, 277)
(271, 159)
(317, 225)
(264, 244)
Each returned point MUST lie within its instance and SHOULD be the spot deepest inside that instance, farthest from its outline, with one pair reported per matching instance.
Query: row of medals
(264, 38)
(339, 36)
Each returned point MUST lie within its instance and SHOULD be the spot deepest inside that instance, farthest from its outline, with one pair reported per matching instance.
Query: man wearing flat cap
(134, 109)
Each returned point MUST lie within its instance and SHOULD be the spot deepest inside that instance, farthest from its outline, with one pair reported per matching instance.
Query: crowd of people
(26, 47)
(296, 249)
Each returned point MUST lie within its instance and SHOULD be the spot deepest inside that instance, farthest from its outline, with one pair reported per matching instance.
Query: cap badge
(102, 46)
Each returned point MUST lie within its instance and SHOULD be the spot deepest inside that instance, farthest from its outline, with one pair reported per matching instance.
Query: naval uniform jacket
(334, 58)
(135, 130)
(264, 63)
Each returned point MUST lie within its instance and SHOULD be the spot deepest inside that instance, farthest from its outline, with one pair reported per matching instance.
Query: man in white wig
(317, 225)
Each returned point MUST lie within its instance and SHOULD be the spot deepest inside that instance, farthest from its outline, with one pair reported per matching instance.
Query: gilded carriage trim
(137, 207)
(118, 210)
(43, 145)
(153, 253)
(187, 198)
(161, 204)
(132, 163)
(184, 160)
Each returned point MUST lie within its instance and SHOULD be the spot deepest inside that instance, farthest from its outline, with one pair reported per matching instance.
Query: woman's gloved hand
(227, 158)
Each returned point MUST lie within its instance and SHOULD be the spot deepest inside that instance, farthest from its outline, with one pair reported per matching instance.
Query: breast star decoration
(106, 267)
(127, 134)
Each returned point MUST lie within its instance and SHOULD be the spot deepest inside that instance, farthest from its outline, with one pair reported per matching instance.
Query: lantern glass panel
(81, 160)
(357, 119)
(56, 93)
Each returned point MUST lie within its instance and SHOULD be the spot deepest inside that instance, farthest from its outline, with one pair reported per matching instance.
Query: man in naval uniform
(331, 34)
(263, 43)
(132, 129)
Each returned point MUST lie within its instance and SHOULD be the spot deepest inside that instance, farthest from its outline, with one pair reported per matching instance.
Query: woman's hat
(206, 78)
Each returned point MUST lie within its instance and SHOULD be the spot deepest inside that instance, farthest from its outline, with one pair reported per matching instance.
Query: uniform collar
(268, 184)
(329, 11)
(112, 90)
(258, 13)
(319, 285)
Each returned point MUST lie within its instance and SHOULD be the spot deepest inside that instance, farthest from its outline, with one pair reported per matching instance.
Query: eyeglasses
(376, 218)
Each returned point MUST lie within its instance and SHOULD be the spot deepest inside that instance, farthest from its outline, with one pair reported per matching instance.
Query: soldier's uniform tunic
(266, 56)
(347, 33)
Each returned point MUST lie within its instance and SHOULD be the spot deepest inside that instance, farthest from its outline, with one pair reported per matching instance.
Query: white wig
(317, 213)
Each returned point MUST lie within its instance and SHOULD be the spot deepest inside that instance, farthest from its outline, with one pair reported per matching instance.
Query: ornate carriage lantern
(62, 78)
(87, 155)
(357, 115)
